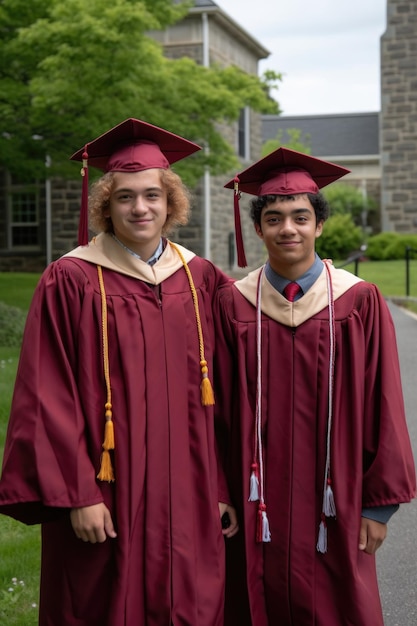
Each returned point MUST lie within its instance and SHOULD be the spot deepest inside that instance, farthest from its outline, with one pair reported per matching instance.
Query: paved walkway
(397, 558)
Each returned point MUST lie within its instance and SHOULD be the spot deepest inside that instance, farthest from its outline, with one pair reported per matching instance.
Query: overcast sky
(327, 50)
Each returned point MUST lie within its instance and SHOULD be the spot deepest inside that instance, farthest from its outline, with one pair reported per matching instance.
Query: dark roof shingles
(329, 135)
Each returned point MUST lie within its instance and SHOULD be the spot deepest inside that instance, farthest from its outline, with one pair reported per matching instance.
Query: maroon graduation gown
(287, 582)
(166, 565)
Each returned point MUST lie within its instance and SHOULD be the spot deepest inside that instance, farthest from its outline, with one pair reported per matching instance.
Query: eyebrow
(293, 212)
(131, 190)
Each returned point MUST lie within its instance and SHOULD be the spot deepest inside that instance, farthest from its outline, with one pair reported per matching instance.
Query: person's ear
(258, 231)
(319, 228)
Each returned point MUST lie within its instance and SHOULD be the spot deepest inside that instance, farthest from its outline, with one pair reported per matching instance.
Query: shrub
(346, 199)
(340, 237)
(12, 322)
(390, 246)
(396, 249)
(378, 244)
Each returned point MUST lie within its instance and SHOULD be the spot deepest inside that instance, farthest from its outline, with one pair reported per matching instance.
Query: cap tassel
(263, 534)
(83, 223)
(254, 483)
(241, 257)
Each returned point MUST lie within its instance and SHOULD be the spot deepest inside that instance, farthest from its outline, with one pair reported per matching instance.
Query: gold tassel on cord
(207, 395)
(108, 443)
(106, 473)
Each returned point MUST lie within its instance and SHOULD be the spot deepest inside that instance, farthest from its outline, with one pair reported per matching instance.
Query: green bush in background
(340, 237)
(391, 246)
(345, 199)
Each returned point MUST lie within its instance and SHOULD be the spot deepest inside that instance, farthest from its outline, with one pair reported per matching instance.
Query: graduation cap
(131, 146)
(283, 172)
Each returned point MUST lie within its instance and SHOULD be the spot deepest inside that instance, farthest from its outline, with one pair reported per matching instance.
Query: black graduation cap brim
(286, 172)
(123, 141)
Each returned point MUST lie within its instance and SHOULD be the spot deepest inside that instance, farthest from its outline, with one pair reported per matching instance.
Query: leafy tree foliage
(295, 142)
(71, 69)
(345, 199)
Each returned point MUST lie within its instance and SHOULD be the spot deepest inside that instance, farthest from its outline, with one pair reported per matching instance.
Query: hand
(233, 526)
(93, 523)
(372, 535)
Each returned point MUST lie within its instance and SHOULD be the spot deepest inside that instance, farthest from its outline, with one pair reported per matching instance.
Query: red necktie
(291, 291)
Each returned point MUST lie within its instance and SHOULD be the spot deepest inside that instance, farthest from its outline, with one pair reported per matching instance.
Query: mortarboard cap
(131, 146)
(283, 172)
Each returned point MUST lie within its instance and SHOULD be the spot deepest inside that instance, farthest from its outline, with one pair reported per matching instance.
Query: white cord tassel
(266, 535)
(329, 507)
(254, 485)
(263, 534)
(322, 538)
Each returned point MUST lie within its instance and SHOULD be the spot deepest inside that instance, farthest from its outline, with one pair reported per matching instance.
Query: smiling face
(138, 209)
(289, 230)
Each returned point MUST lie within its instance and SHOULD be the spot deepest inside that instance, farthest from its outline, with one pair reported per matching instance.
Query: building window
(244, 134)
(23, 215)
(24, 223)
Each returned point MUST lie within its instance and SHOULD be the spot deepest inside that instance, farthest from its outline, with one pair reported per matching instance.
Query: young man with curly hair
(111, 443)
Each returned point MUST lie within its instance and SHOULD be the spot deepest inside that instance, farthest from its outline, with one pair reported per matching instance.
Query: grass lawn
(20, 545)
(16, 289)
(390, 276)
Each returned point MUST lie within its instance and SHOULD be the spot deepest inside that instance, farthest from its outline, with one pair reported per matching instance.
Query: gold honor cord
(106, 473)
(207, 395)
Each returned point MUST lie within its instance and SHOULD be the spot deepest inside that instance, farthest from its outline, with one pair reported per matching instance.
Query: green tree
(346, 199)
(70, 69)
(295, 142)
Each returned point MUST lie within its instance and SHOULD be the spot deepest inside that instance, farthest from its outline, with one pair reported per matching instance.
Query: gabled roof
(236, 30)
(344, 134)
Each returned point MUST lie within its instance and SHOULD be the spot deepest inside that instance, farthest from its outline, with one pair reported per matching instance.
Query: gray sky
(327, 50)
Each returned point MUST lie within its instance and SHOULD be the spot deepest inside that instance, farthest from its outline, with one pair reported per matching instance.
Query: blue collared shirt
(305, 281)
(152, 260)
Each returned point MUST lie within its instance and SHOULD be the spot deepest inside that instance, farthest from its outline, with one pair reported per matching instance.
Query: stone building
(398, 130)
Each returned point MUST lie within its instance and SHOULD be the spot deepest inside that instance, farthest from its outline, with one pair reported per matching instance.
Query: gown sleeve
(224, 376)
(46, 466)
(389, 472)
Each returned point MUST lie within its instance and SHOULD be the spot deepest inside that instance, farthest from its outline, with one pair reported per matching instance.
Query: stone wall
(398, 132)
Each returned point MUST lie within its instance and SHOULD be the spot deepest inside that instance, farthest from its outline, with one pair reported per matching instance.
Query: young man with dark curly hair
(319, 455)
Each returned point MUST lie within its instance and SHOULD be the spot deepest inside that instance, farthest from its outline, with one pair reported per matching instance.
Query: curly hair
(318, 202)
(178, 199)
